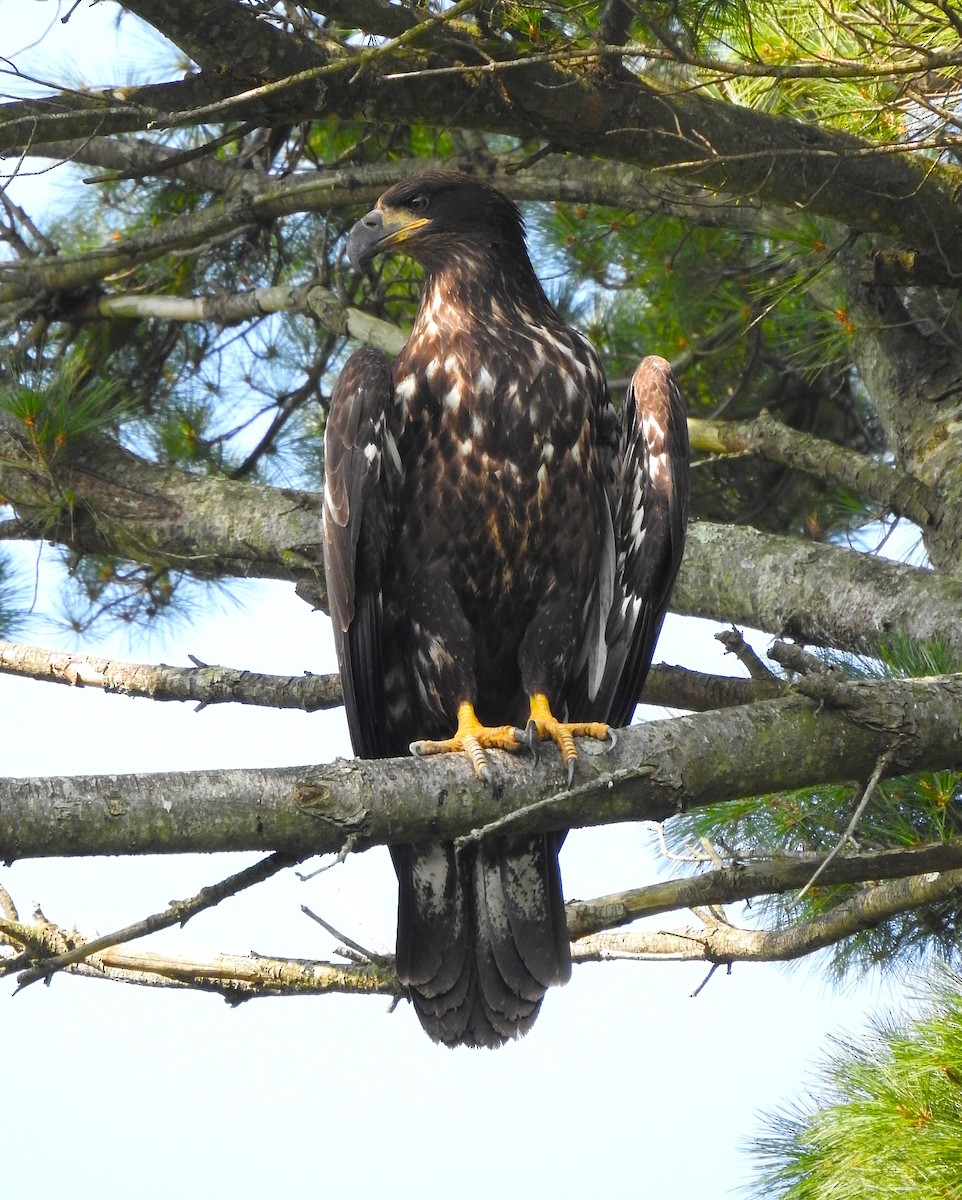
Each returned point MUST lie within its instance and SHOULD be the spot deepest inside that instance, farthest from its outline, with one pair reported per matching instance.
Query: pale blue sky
(626, 1086)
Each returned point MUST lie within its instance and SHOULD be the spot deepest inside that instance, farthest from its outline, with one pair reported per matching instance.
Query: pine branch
(239, 978)
(309, 298)
(748, 880)
(896, 490)
(95, 497)
(673, 687)
(204, 684)
(739, 150)
(178, 913)
(723, 943)
(370, 16)
(677, 687)
(263, 201)
(914, 376)
(98, 498)
(655, 771)
(838, 597)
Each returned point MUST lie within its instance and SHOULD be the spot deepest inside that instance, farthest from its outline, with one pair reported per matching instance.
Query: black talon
(572, 766)
(532, 741)
(612, 740)
(492, 780)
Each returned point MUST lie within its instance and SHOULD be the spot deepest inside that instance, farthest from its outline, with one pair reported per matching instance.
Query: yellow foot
(472, 739)
(544, 726)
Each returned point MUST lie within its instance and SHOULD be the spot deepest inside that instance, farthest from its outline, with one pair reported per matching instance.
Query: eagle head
(433, 215)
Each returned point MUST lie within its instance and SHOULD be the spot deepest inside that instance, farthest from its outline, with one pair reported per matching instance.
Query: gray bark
(656, 771)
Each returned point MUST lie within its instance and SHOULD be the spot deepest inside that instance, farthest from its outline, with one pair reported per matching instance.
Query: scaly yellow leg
(473, 738)
(544, 726)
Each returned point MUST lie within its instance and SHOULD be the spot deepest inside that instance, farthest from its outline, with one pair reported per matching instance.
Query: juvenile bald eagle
(500, 549)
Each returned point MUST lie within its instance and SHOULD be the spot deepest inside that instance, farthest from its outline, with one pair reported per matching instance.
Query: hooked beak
(379, 230)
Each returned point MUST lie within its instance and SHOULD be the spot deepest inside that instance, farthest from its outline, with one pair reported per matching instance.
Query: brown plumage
(500, 549)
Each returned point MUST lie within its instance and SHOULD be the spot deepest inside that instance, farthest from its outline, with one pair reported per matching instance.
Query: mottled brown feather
(492, 530)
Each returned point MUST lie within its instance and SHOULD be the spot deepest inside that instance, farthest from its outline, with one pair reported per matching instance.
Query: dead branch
(203, 684)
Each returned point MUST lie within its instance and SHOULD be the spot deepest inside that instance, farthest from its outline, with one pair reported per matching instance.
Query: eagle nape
(497, 535)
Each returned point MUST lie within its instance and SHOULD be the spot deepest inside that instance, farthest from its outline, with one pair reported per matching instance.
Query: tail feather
(531, 887)
(434, 927)
(481, 936)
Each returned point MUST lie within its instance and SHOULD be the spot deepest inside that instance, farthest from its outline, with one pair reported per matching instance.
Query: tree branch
(633, 119)
(747, 880)
(251, 202)
(897, 490)
(915, 378)
(724, 943)
(657, 770)
(310, 298)
(926, 880)
(203, 684)
(98, 498)
(838, 597)
(178, 913)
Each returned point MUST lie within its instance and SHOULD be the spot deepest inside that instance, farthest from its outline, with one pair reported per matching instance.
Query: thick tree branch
(913, 370)
(837, 597)
(897, 491)
(371, 16)
(721, 146)
(656, 770)
(96, 497)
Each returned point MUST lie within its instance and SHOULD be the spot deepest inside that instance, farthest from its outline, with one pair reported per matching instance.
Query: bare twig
(642, 771)
(366, 955)
(178, 913)
(704, 983)
(734, 643)
(867, 790)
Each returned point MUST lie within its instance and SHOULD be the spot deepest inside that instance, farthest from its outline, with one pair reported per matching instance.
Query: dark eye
(419, 203)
